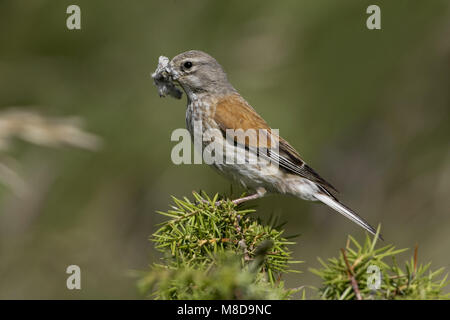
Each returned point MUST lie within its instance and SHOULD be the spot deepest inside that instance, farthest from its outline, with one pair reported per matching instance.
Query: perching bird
(213, 103)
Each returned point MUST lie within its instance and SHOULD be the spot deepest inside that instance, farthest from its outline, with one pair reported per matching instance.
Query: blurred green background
(369, 110)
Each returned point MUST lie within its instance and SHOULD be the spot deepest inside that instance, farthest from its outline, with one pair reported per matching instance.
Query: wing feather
(233, 112)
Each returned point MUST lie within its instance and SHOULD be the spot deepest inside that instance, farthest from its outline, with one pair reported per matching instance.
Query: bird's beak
(174, 75)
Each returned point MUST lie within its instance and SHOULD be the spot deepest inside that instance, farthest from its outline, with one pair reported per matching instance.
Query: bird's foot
(217, 203)
(260, 192)
(247, 198)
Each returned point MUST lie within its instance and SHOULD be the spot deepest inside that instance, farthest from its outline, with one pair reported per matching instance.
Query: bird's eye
(187, 64)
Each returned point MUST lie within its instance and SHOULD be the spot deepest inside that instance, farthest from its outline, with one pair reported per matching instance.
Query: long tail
(345, 211)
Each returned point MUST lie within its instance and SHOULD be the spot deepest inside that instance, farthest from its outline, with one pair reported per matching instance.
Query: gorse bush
(214, 250)
(225, 279)
(197, 231)
(364, 272)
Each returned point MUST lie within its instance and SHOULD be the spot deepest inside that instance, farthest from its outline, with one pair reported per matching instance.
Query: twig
(242, 243)
(353, 281)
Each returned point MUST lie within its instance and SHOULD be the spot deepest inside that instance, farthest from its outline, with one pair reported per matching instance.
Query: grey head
(199, 73)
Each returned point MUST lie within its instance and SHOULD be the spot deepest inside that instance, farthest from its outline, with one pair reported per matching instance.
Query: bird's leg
(260, 192)
(247, 198)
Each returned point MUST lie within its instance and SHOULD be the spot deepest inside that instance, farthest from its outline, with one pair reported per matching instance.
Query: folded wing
(233, 112)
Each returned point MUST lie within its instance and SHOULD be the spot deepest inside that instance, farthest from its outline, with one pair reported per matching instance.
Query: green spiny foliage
(216, 251)
(225, 279)
(197, 231)
(352, 275)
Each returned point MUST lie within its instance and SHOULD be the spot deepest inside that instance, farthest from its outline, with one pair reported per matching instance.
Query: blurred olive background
(369, 110)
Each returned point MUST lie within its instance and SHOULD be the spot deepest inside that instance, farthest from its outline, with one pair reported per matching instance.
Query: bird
(214, 105)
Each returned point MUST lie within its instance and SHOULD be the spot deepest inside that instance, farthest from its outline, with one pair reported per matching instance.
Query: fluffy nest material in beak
(162, 78)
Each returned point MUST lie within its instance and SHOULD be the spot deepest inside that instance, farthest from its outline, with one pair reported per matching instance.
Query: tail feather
(345, 211)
